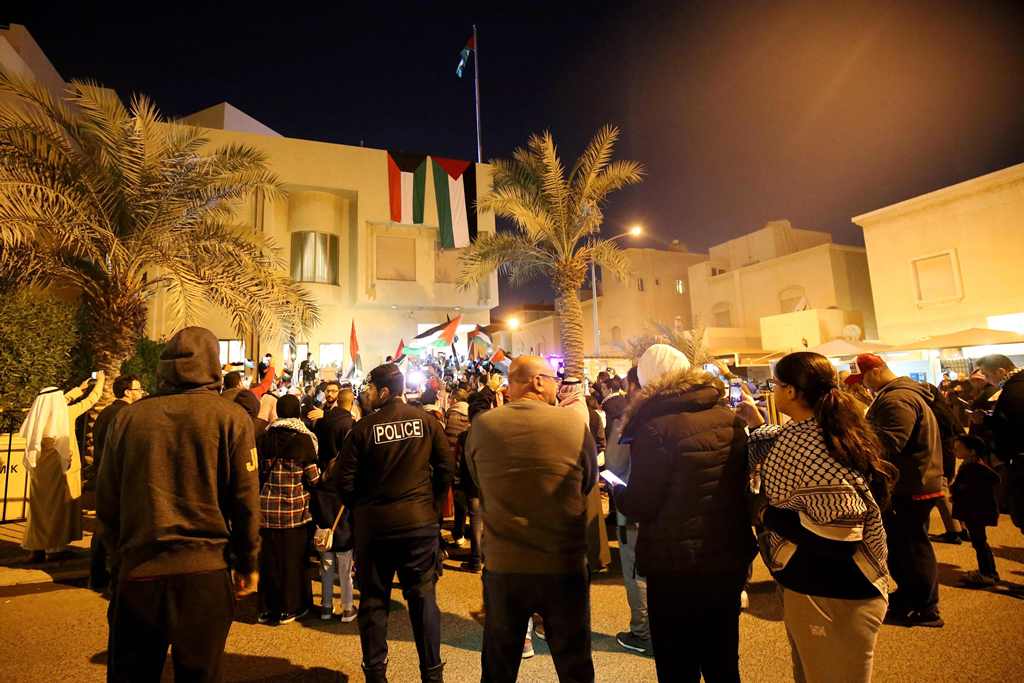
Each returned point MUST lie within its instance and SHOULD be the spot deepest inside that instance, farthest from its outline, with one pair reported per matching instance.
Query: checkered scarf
(798, 473)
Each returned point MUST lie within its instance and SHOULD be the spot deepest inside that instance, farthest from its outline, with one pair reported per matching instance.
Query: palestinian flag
(353, 348)
(498, 357)
(455, 188)
(407, 181)
(464, 56)
(439, 337)
(399, 352)
(479, 344)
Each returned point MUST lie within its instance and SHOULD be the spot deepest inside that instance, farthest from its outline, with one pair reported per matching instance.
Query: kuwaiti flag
(438, 337)
(455, 188)
(407, 182)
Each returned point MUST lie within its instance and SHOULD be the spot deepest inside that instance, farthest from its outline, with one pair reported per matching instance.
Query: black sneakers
(633, 643)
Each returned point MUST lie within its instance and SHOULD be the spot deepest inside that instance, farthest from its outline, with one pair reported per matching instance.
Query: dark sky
(743, 112)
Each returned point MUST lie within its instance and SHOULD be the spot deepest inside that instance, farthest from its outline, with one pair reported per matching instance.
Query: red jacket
(264, 385)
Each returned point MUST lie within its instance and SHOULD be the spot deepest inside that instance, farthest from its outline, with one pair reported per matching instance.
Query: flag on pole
(353, 344)
(498, 357)
(407, 179)
(479, 343)
(455, 190)
(464, 56)
(399, 352)
(438, 337)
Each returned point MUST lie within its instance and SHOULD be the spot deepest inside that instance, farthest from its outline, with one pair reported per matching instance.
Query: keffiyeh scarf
(798, 473)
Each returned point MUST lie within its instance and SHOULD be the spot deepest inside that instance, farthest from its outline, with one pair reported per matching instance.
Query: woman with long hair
(822, 486)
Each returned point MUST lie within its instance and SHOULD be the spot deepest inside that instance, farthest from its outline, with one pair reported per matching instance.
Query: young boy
(974, 503)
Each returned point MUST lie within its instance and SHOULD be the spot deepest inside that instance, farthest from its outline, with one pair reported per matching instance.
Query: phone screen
(94, 375)
(612, 478)
(735, 394)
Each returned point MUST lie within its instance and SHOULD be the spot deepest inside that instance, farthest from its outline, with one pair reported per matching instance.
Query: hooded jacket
(687, 480)
(178, 484)
(1007, 421)
(910, 437)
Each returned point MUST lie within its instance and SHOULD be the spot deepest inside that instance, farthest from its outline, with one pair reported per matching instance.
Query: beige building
(338, 238)
(655, 291)
(781, 288)
(336, 235)
(950, 259)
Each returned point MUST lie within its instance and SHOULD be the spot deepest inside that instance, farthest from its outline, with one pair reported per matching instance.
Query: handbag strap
(337, 518)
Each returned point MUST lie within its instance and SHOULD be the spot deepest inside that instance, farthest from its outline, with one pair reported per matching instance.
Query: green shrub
(143, 363)
(37, 336)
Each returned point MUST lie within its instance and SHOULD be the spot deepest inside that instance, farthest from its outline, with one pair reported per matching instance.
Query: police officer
(393, 469)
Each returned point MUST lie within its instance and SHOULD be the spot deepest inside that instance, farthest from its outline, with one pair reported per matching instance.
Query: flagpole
(476, 82)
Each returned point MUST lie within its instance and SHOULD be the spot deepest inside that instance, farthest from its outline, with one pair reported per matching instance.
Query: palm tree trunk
(570, 324)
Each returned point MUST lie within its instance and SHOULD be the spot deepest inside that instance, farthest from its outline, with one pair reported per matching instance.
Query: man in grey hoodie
(178, 497)
(911, 441)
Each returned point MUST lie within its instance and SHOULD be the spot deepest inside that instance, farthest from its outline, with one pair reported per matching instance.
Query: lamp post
(634, 231)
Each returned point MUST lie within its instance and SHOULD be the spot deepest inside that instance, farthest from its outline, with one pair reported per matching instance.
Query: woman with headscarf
(54, 467)
(288, 469)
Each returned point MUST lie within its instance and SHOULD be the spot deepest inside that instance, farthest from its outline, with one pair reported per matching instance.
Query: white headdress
(47, 418)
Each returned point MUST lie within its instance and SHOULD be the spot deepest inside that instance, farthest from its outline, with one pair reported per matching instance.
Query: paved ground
(53, 632)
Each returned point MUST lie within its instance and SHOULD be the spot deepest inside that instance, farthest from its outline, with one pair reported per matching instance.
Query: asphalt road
(51, 632)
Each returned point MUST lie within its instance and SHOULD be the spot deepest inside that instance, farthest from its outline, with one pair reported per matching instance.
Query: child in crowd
(974, 504)
(337, 561)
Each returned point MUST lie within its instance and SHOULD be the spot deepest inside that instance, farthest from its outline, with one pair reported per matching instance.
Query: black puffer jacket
(687, 480)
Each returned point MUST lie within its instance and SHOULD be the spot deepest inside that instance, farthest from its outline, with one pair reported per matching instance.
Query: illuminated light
(512, 323)
(1001, 349)
(416, 379)
(636, 231)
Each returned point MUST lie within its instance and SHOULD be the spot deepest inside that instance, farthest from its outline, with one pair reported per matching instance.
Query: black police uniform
(392, 471)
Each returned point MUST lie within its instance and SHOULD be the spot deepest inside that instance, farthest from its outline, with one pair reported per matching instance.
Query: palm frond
(506, 252)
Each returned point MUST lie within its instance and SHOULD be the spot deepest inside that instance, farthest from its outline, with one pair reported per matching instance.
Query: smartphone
(612, 478)
(94, 375)
(735, 394)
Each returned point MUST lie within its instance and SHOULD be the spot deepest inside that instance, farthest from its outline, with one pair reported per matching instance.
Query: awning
(842, 348)
(974, 336)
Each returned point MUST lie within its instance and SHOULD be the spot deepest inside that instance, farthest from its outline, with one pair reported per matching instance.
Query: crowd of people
(211, 490)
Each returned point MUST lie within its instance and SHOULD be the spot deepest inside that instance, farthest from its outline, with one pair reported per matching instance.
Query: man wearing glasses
(127, 390)
(534, 467)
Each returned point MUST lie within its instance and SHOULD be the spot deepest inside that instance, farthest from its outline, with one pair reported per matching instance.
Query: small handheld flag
(464, 56)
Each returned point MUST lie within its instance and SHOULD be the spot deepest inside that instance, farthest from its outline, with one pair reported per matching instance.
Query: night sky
(742, 112)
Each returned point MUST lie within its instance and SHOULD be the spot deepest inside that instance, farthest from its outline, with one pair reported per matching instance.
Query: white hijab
(48, 418)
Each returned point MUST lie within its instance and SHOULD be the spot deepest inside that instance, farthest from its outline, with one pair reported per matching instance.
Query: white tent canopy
(843, 348)
(974, 336)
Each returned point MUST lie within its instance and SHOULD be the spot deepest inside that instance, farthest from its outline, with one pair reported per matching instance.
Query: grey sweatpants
(832, 639)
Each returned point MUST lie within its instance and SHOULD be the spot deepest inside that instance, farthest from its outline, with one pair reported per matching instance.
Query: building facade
(950, 259)
(336, 234)
(781, 288)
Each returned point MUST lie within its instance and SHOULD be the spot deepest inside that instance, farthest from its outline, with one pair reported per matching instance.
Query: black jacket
(331, 430)
(974, 494)
(100, 430)
(178, 482)
(614, 407)
(1007, 421)
(687, 481)
(910, 436)
(393, 470)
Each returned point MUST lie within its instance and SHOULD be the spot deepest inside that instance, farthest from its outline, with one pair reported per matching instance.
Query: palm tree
(555, 224)
(120, 205)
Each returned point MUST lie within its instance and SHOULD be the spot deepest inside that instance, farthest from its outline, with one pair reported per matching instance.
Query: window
(640, 284)
(680, 287)
(315, 257)
(332, 354)
(793, 299)
(616, 335)
(396, 258)
(721, 314)
(937, 278)
(231, 351)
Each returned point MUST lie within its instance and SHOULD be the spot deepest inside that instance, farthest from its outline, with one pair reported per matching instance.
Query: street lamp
(634, 231)
(512, 323)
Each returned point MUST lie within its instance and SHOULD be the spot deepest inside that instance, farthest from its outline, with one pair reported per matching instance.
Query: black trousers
(695, 627)
(285, 586)
(413, 556)
(99, 575)
(563, 600)
(461, 505)
(191, 613)
(911, 556)
(979, 540)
